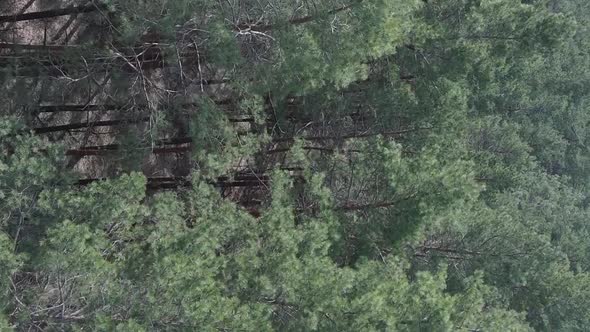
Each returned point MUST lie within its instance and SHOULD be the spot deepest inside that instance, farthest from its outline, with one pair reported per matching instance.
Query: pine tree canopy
(335, 165)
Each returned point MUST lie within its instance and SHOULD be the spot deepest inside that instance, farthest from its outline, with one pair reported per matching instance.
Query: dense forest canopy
(290, 165)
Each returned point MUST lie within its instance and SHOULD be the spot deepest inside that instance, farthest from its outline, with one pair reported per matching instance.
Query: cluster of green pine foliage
(354, 165)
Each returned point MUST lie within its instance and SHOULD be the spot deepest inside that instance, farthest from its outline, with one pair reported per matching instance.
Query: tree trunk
(294, 21)
(36, 48)
(173, 182)
(350, 136)
(108, 149)
(111, 107)
(72, 126)
(362, 207)
(52, 13)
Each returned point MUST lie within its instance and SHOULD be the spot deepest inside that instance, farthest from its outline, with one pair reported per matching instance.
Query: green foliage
(417, 166)
(216, 145)
(10, 263)
(27, 165)
(500, 153)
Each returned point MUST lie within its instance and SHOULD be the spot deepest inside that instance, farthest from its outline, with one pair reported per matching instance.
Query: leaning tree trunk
(52, 13)
(72, 126)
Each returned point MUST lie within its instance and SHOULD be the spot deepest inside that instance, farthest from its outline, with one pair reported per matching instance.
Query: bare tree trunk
(351, 136)
(362, 207)
(72, 126)
(294, 21)
(108, 149)
(174, 182)
(183, 140)
(52, 13)
(111, 107)
(36, 48)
